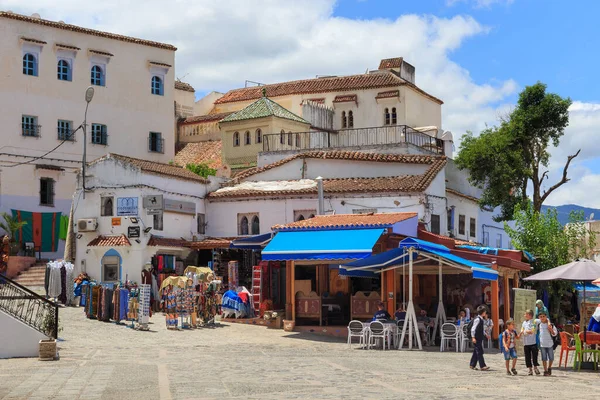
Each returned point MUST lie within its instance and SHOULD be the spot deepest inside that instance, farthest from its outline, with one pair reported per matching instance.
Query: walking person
(477, 336)
(530, 348)
(508, 347)
(547, 332)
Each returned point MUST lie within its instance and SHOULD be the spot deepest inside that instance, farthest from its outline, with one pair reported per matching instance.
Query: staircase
(33, 276)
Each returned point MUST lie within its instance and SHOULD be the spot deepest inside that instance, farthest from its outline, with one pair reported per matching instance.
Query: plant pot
(289, 325)
(47, 349)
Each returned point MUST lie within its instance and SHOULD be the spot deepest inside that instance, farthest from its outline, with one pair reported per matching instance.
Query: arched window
(156, 86)
(97, 76)
(386, 117)
(350, 119)
(297, 140)
(244, 226)
(282, 137)
(394, 117)
(236, 138)
(311, 216)
(300, 218)
(63, 70)
(247, 139)
(108, 206)
(290, 138)
(258, 134)
(255, 225)
(344, 120)
(29, 65)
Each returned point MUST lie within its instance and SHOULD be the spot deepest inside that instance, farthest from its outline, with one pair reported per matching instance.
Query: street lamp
(89, 95)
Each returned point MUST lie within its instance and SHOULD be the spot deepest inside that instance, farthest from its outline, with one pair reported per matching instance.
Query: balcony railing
(156, 145)
(66, 134)
(382, 135)
(30, 130)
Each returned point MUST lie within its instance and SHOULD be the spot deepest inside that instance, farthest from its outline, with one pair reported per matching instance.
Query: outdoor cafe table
(390, 329)
(591, 339)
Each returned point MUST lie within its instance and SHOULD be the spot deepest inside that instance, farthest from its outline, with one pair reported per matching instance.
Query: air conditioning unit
(87, 225)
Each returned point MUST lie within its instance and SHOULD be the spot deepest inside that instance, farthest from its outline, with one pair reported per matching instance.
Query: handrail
(29, 307)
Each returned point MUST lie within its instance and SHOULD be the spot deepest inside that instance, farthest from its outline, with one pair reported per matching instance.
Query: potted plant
(47, 347)
(11, 226)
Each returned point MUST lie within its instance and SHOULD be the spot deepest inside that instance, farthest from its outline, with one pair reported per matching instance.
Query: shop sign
(183, 207)
(116, 221)
(153, 212)
(133, 231)
(153, 202)
(127, 206)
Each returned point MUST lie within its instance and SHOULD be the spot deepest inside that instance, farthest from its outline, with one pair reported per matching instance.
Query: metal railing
(29, 307)
(30, 130)
(66, 134)
(381, 135)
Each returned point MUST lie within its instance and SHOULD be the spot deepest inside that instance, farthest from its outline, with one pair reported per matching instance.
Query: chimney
(400, 67)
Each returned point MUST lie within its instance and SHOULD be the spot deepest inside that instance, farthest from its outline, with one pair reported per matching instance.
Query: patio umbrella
(580, 270)
(596, 282)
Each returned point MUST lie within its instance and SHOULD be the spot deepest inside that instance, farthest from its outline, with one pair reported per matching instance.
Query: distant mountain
(564, 211)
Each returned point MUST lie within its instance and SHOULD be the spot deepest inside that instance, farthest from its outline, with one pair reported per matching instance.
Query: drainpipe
(321, 204)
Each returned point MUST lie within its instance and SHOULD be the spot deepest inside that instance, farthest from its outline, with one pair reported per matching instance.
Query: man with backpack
(476, 331)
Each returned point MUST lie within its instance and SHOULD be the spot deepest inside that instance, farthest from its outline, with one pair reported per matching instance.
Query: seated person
(462, 318)
(381, 314)
(400, 313)
(594, 325)
(423, 321)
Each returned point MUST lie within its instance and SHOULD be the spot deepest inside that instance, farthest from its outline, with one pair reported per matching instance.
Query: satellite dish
(35, 15)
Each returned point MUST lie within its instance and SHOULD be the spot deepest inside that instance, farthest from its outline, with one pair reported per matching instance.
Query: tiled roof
(79, 29)
(49, 167)
(388, 94)
(211, 243)
(201, 153)
(261, 108)
(184, 86)
(110, 241)
(319, 100)
(406, 183)
(446, 240)
(345, 98)
(160, 64)
(466, 196)
(167, 242)
(387, 63)
(205, 118)
(381, 79)
(32, 40)
(67, 46)
(155, 167)
(345, 221)
(102, 53)
(437, 161)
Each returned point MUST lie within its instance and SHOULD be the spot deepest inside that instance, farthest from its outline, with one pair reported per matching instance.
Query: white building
(121, 224)
(45, 69)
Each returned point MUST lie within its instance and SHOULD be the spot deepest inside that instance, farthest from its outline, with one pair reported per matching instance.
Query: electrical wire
(44, 155)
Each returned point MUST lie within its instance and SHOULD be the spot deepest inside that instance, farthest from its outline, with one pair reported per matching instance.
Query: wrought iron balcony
(66, 134)
(30, 130)
(382, 135)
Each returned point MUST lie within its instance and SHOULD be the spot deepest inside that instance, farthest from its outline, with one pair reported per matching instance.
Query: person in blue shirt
(400, 313)
(381, 313)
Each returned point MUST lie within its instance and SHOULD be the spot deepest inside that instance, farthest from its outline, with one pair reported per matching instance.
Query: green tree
(11, 225)
(551, 243)
(508, 159)
(203, 170)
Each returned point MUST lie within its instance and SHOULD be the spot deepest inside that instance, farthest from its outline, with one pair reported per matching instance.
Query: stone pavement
(101, 360)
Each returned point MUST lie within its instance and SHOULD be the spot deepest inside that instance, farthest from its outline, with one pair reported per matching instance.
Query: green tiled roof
(263, 107)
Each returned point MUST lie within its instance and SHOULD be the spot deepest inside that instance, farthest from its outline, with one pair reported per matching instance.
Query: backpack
(556, 339)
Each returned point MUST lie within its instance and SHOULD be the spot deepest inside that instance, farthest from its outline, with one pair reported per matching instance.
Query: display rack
(144, 306)
(257, 282)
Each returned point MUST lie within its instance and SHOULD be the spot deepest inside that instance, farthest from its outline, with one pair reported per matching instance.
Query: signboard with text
(127, 206)
(178, 206)
(524, 300)
(153, 202)
(133, 231)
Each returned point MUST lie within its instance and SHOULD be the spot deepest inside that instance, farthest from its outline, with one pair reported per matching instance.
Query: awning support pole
(440, 317)
(411, 317)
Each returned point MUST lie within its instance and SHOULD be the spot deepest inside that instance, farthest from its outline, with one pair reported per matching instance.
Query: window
(394, 116)
(258, 136)
(450, 222)
(106, 206)
(156, 144)
(157, 222)
(435, 224)
(486, 238)
(472, 227)
(499, 240)
(99, 134)
(461, 224)
(243, 228)
(350, 119)
(289, 137)
(344, 120)
(63, 70)
(30, 66)
(282, 137)
(65, 131)
(297, 140)
(97, 75)
(236, 139)
(110, 269)
(386, 117)
(47, 192)
(255, 225)
(301, 215)
(157, 86)
(247, 139)
(300, 218)
(201, 224)
(29, 126)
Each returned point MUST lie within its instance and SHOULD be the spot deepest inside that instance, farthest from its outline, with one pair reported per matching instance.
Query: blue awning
(254, 242)
(399, 256)
(340, 244)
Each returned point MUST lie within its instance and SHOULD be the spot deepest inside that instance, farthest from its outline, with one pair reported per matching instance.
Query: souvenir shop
(58, 281)
(245, 259)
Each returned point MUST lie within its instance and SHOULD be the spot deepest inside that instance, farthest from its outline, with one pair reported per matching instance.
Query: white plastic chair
(376, 330)
(448, 333)
(464, 337)
(356, 329)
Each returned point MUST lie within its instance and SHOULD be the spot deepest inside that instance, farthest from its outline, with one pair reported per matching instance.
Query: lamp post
(89, 95)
